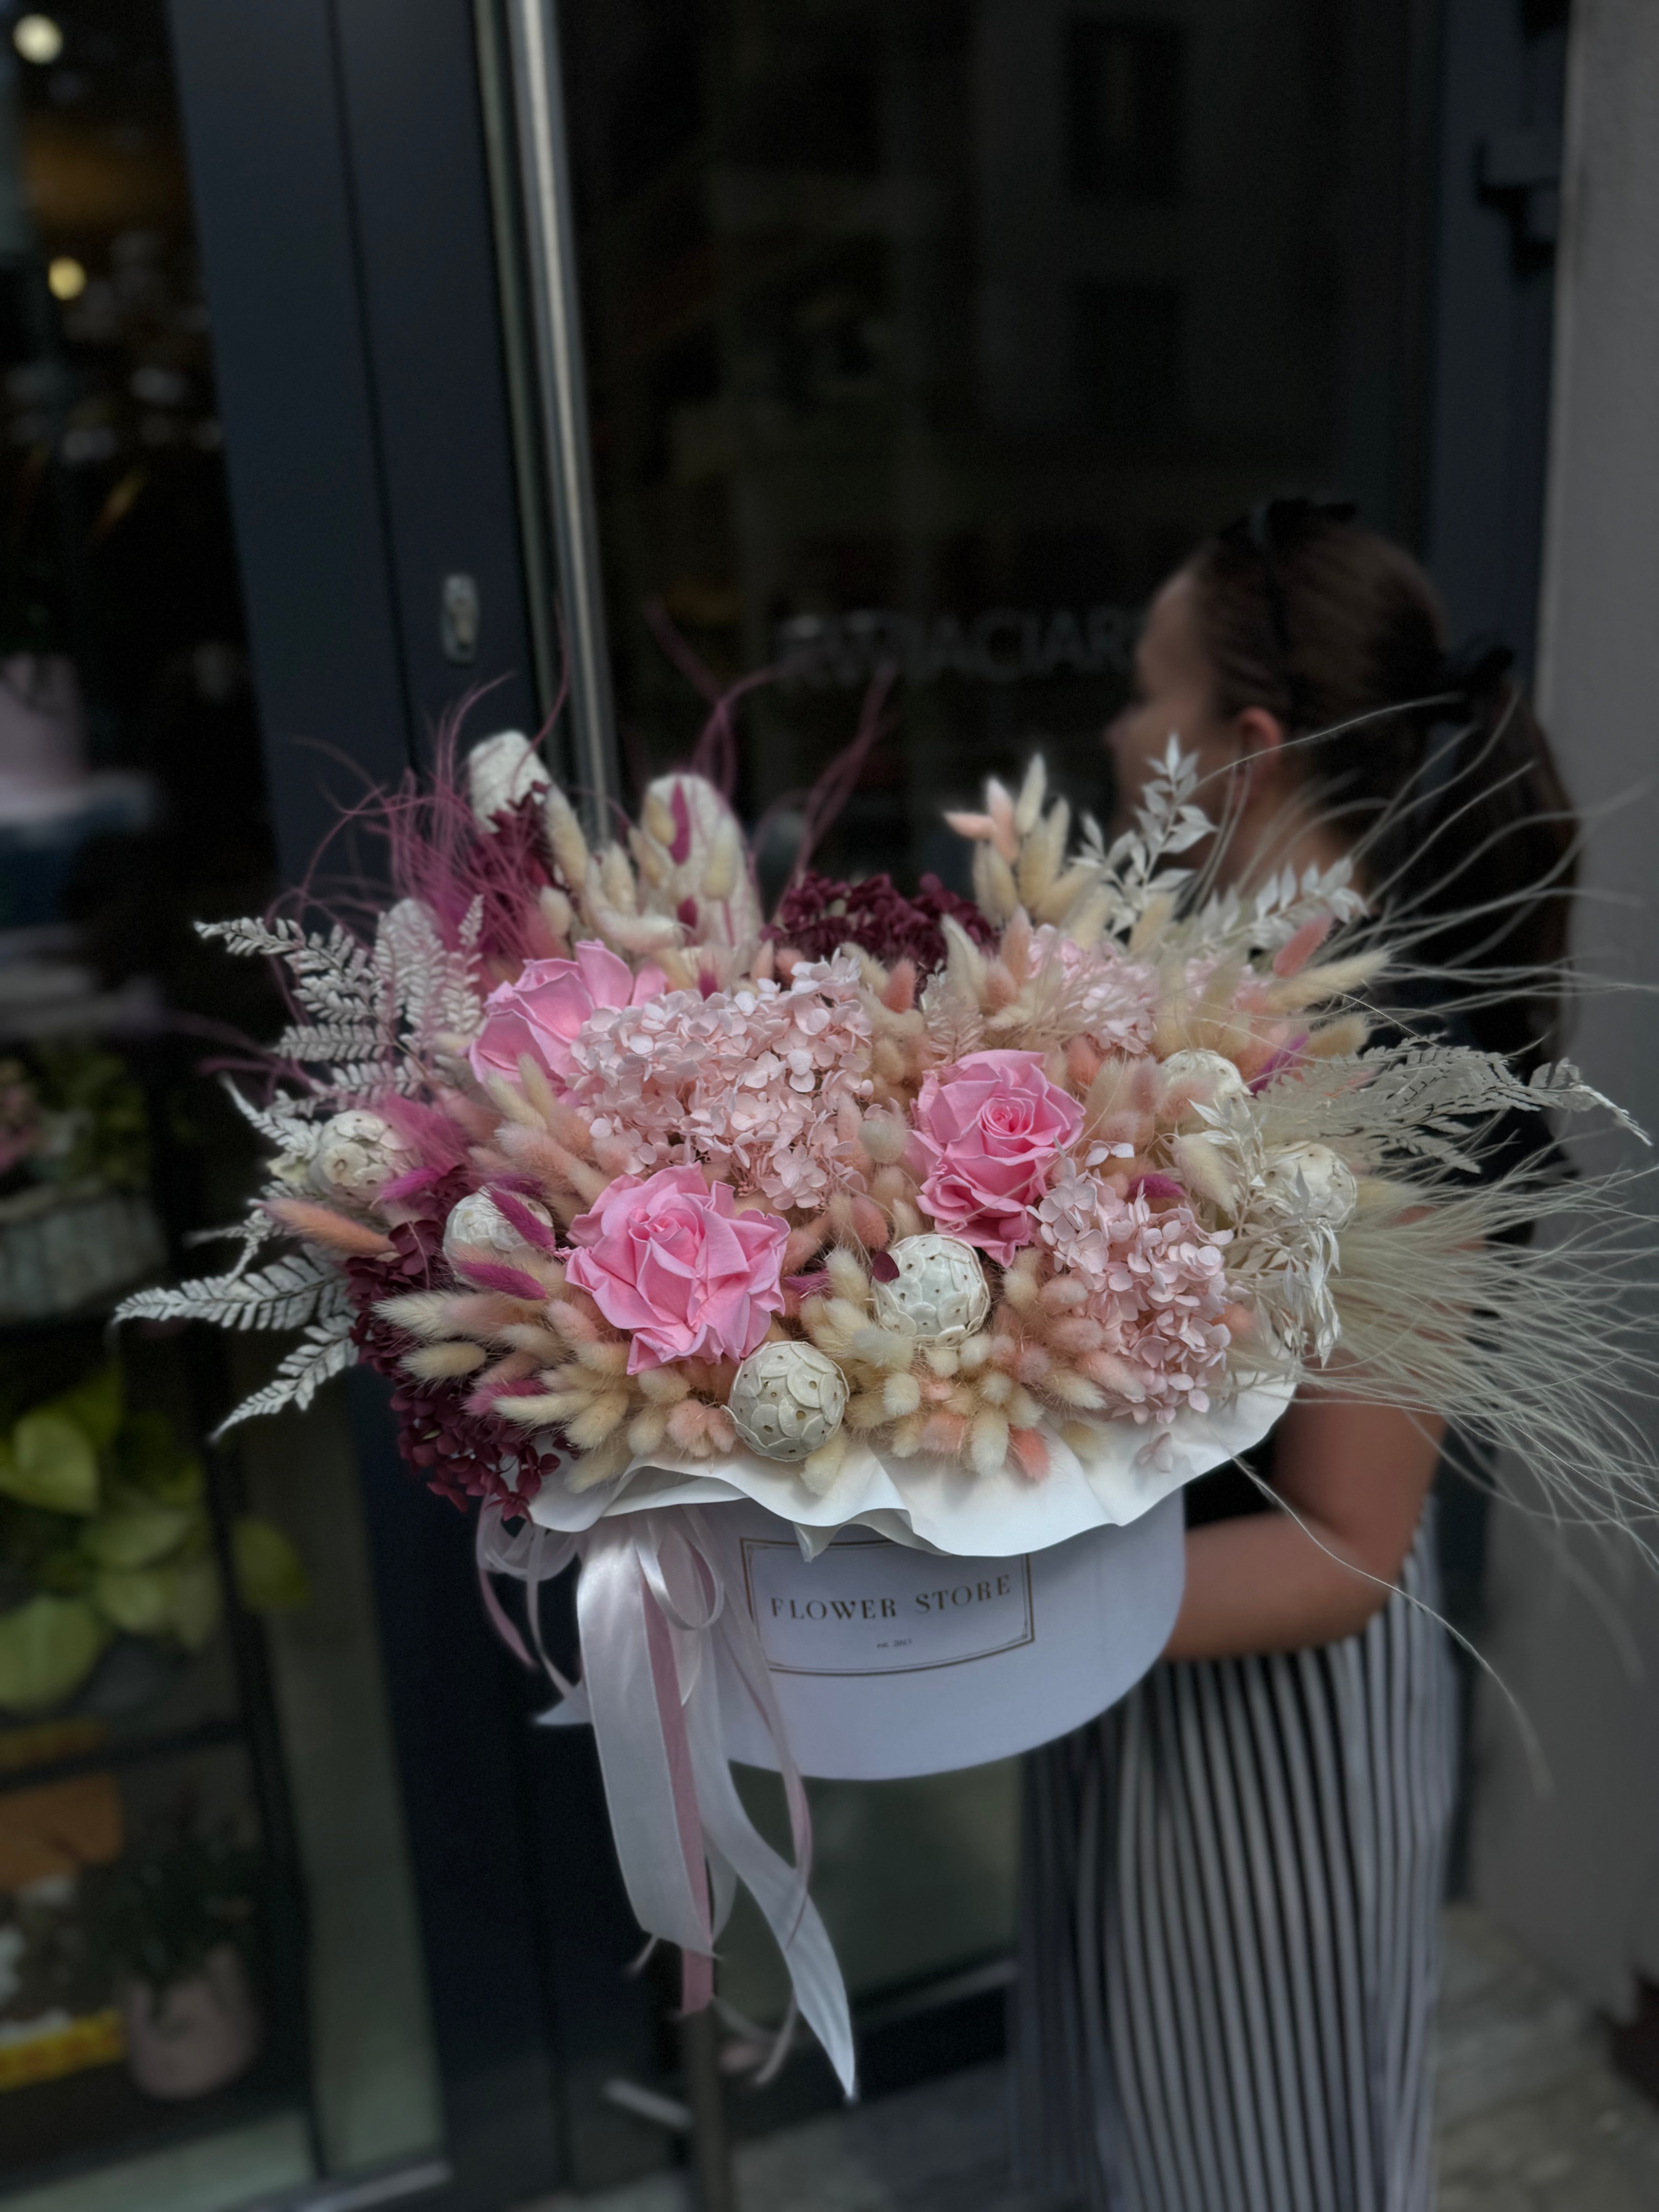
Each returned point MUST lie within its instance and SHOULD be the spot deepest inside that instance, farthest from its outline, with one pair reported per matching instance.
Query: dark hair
(1455, 804)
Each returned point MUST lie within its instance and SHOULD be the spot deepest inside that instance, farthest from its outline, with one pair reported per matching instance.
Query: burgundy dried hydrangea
(816, 915)
(509, 864)
(454, 1452)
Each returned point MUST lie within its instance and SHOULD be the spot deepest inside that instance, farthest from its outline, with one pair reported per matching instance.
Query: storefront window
(928, 337)
(185, 1845)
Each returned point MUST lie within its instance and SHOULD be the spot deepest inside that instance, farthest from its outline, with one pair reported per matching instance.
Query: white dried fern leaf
(282, 1123)
(1560, 1085)
(351, 1081)
(432, 985)
(1427, 1100)
(252, 1233)
(287, 1294)
(335, 982)
(325, 1043)
(326, 1349)
(331, 973)
(252, 938)
(1423, 1094)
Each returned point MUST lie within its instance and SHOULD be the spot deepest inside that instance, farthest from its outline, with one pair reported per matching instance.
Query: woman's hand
(1356, 1476)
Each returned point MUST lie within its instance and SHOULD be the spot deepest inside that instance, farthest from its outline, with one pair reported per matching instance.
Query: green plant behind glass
(104, 1528)
(95, 1113)
(161, 1914)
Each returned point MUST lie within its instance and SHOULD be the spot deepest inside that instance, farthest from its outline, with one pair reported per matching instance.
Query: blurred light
(38, 38)
(88, 442)
(66, 276)
(158, 385)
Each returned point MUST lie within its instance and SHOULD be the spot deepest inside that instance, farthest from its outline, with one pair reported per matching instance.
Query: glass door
(908, 346)
(211, 1990)
(666, 343)
(926, 336)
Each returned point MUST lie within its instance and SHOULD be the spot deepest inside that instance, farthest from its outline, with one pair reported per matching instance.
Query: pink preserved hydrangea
(1109, 998)
(673, 1263)
(749, 1080)
(988, 1134)
(1156, 1288)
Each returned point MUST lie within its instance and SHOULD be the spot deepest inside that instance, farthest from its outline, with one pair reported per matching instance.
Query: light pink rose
(543, 1011)
(986, 1134)
(678, 1266)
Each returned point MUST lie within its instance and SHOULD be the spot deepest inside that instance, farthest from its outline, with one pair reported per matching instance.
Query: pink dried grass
(320, 1225)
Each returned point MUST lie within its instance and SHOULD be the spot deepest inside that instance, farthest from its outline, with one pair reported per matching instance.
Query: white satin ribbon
(654, 1588)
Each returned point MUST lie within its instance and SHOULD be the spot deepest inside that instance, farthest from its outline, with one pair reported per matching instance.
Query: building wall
(1576, 1872)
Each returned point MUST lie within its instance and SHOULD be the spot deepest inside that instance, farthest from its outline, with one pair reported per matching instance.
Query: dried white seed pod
(940, 1295)
(357, 1155)
(1310, 1183)
(786, 1400)
(1211, 1074)
(478, 1224)
(500, 771)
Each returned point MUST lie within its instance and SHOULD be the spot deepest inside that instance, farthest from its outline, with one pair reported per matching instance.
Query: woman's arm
(1357, 1476)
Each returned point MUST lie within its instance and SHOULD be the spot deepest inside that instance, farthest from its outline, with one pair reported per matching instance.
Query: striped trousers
(1229, 1896)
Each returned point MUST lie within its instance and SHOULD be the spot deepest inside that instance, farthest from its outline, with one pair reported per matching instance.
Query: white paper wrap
(937, 1505)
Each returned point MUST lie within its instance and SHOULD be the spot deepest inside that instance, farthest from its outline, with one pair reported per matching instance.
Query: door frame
(342, 180)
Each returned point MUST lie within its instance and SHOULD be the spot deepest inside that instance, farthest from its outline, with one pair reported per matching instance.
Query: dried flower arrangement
(576, 1137)
(1011, 1216)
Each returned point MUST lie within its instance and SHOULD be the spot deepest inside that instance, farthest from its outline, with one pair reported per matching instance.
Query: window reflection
(934, 333)
(1125, 99)
(178, 1701)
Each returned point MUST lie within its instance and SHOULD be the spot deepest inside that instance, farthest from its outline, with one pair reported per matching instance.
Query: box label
(873, 1607)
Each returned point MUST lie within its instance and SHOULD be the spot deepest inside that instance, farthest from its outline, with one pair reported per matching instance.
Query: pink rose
(676, 1264)
(543, 1011)
(986, 1134)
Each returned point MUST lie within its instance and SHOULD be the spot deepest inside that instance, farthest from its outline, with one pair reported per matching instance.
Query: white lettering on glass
(1003, 645)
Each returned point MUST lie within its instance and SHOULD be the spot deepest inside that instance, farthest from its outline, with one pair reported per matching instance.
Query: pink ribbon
(659, 1592)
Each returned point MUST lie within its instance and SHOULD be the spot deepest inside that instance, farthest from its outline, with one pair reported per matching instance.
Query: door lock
(1520, 171)
(459, 616)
